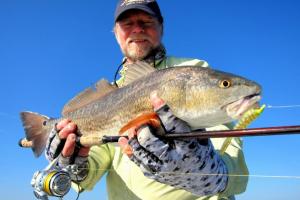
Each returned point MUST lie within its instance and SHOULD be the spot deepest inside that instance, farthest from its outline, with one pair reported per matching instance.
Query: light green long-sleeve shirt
(126, 181)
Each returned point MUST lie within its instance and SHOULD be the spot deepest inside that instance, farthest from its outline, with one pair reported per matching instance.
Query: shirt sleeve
(177, 62)
(99, 161)
(237, 169)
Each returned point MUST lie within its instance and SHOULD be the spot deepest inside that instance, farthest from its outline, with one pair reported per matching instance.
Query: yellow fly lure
(249, 117)
(243, 123)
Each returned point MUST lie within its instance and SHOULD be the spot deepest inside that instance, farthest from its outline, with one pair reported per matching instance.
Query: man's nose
(138, 28)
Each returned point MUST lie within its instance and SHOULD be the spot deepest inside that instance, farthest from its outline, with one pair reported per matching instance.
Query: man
(145, 167)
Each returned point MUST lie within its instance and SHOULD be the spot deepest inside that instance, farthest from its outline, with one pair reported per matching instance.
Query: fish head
(214, 97)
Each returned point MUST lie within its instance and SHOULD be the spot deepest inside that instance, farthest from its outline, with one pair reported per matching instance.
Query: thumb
(156, 101)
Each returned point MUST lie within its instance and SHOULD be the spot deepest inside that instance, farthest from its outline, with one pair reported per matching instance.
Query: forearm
(209, 177)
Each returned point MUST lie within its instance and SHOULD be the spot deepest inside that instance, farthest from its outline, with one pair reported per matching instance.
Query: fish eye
(225, 83)
(44, 123)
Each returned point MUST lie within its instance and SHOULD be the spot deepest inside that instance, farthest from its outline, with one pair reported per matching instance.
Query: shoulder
(172, 61)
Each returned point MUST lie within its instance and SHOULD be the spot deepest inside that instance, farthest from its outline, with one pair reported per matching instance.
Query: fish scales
(117, 109)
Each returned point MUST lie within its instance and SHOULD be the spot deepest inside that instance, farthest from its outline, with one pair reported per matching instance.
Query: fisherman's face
(138, 33)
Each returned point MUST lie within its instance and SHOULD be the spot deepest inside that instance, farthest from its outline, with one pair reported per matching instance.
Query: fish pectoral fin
(150, 119)
(137, 70)
(89, 95)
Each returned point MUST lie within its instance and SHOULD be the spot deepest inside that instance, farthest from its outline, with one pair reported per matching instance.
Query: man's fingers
(69, 147)
(60, 125)
(67, 129)
(126, 148)
(156, 101)
(132, 132)
(84, 151)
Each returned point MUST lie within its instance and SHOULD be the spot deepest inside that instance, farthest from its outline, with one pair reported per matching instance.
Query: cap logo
(128, 2)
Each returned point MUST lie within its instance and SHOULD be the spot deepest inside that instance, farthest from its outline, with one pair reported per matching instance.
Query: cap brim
(135, 7)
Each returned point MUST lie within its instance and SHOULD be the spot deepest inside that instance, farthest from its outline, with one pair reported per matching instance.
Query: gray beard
(136, 53)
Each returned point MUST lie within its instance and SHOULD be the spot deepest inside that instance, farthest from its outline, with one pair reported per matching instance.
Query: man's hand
(191, 164)
(62, 141)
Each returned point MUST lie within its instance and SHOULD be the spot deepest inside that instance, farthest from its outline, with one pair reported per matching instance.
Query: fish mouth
(237, 108)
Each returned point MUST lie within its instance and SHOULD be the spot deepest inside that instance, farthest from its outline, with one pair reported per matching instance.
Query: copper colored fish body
(200, 96)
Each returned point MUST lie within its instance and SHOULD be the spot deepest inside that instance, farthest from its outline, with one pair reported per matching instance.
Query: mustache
(138, 37)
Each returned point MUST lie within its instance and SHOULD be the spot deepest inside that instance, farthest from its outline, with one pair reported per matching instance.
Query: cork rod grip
(88, 141)
(25, 143)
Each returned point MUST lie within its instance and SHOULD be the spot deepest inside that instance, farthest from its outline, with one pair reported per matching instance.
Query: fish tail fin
(36, 131)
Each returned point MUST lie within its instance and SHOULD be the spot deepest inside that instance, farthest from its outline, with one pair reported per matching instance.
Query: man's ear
(162, 30)
(116, 35)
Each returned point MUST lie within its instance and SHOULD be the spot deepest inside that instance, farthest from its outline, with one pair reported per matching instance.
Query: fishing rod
(239, 130)
(202, 134)
(265, 131)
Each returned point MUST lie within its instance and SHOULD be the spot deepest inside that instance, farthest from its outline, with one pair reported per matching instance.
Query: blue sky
(51, 50)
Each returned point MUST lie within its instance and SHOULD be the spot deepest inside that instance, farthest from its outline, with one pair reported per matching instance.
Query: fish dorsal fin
(137, 70)
(89, 95)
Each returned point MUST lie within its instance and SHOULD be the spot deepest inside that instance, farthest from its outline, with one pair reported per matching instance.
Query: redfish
(203, 97)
